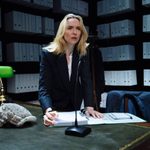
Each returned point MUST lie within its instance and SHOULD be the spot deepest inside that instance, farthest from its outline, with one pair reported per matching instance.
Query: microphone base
(79, 131)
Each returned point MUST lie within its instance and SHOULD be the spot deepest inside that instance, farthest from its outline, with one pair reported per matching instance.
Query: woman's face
(73, 31)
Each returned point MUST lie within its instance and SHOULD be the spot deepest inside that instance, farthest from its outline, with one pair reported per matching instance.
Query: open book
(115, 118)
(68, 119)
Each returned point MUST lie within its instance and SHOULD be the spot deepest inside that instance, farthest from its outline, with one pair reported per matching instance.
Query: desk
(39, 137)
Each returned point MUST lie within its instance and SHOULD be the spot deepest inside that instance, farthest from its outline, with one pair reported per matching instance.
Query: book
(68, 119)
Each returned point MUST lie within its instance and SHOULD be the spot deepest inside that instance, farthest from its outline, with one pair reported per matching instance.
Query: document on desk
(68, 119)
(115, 118)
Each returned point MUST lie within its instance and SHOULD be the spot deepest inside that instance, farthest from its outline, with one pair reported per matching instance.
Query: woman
(65, 78)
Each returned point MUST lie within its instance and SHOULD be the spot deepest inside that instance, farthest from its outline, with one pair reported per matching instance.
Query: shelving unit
(120, 27)
(33, 32)
(28, 25)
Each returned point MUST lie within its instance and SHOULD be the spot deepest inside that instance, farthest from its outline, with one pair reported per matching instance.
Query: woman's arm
(88, 89)
(45, 81)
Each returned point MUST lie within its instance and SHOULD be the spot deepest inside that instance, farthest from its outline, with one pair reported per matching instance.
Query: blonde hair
(58, 45)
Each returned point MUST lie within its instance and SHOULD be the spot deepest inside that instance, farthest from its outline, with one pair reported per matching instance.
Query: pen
(130, 116)
(82, 113)
(123, 116)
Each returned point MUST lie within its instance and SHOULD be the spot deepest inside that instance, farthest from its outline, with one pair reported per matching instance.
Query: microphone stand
(77, 130)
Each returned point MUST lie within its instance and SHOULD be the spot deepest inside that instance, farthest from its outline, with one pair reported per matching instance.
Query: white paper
(115, 118)
(68, 119)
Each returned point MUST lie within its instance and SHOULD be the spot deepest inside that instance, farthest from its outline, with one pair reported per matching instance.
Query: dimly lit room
(75, 74)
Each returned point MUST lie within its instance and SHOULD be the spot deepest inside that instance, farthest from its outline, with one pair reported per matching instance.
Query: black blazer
(55, 88)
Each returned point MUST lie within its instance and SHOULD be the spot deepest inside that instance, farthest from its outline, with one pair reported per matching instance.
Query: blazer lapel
(75, 60)
(63, 70)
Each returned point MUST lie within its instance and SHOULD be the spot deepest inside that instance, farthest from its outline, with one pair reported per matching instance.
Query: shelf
(117, 41)
(27, 27)
(26, 37)
(125, 65)
(116, 17)
(128, 88)
(24, 67)
(139, 64)
(30, 96)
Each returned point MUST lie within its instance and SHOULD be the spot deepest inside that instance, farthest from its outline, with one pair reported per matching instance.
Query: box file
(120, 78)
(122, 28)
(23, 52)
(75, 6)
(146, 3)
(146, 79)
(146, 50)
(103, 31)
(111, 7)
(44, 3)
(22, 83)
(48, 26)
(118, 53)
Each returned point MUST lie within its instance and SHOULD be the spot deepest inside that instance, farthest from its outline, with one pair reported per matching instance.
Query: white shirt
(70, 65)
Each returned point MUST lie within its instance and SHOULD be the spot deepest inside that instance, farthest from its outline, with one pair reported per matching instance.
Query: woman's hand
(49, 118)
(91, 112)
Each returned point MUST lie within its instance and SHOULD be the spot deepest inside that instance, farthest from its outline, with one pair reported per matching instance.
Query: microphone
(77, 130)
(6, 72)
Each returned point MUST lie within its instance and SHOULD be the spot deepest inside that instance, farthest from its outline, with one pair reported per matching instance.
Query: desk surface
(39, 137)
